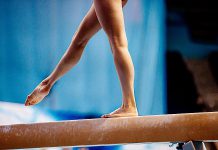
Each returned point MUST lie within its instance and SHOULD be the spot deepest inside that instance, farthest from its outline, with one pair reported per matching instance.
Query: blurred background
(173, 44)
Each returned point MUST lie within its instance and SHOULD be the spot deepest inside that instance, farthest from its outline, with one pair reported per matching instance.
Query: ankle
(129, 102)
(129, 106)
(48, 82)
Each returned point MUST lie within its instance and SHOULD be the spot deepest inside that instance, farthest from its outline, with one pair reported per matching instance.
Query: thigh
(88, 27)
(110, 16)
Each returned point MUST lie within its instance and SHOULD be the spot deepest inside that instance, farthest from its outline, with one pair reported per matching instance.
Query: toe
(105, 116)
(29, 97)
(27, 103)
(30, 100)
(33, 102)
(27, 100)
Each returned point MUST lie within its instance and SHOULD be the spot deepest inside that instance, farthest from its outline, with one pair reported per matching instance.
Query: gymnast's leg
(110, 16)
(88, 27)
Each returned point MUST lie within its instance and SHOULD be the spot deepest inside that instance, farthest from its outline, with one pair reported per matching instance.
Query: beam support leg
(194, 145)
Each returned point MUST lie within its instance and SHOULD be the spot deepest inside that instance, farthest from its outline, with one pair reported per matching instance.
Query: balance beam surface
(158, 128)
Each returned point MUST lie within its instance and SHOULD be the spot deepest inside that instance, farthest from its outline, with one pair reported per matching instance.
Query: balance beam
(158, 128)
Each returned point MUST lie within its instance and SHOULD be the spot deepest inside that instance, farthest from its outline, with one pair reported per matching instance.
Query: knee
(76, 49)
(119, 45)
(124, 2)
(79, 44)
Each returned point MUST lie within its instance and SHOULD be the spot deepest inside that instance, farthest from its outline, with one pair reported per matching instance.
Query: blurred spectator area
(199, 15)
(192, 43)
(192, 83)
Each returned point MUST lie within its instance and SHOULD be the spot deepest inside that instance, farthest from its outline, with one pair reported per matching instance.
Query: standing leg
(110, 16)
(88, 27)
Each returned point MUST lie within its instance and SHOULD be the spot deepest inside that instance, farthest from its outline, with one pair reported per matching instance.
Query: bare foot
(38, 93)
(122, 112)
